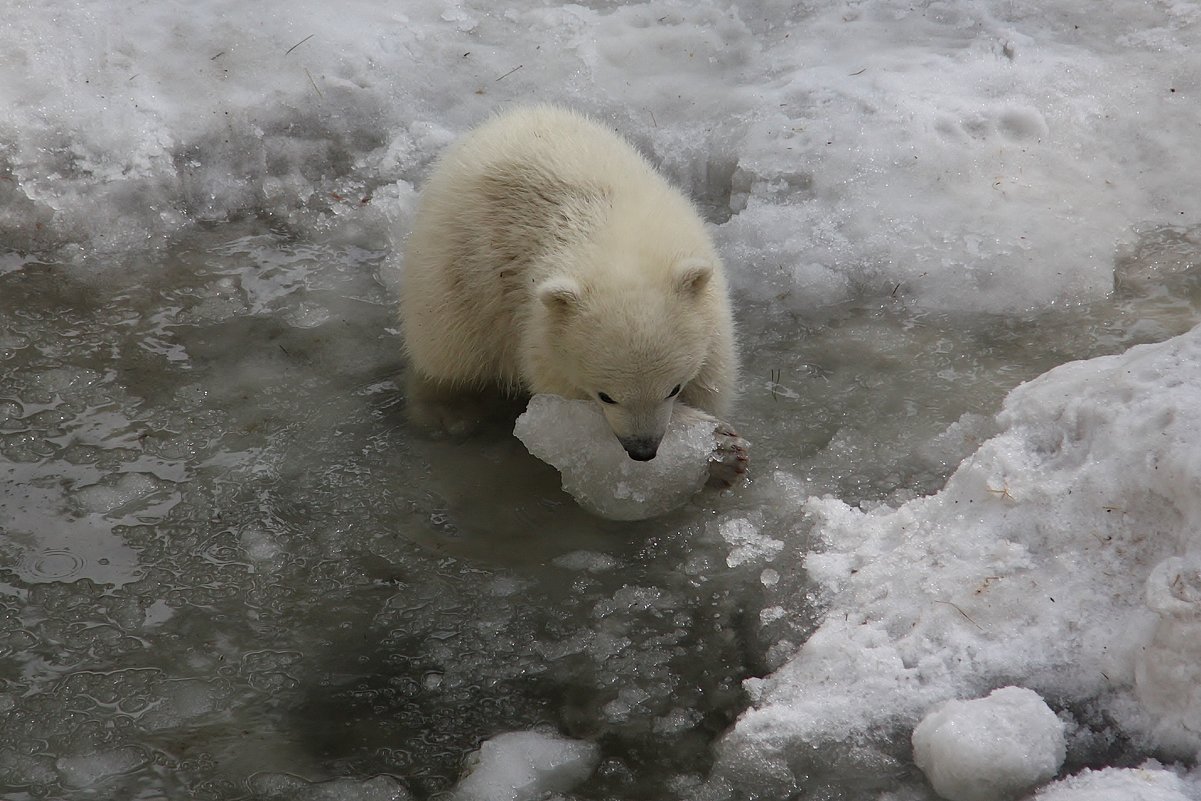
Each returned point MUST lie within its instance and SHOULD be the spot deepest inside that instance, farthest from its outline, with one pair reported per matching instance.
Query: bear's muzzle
(640, 449)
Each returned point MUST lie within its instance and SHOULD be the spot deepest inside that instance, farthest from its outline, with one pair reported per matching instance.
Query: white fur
(549, 256)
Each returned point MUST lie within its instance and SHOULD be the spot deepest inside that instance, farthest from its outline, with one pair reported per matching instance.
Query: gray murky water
(226, 555)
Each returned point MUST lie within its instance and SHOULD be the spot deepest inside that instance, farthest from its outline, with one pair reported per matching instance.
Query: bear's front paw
(728, 462)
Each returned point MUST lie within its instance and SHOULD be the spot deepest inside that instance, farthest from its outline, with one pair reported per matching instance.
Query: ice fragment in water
(526, 765)
(989, 748)
(116, 493)
(83, 770)
(590, 561)
(573, 437)
(285, 787)
(747, 544)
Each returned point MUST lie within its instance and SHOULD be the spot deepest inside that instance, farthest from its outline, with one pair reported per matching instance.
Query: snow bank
(965, 154)
(1061, 555)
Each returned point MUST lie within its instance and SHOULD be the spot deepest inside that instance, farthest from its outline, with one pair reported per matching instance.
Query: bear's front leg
(443, 408)
(729, 459)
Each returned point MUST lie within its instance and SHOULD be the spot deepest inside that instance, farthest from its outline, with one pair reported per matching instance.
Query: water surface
(226, 554)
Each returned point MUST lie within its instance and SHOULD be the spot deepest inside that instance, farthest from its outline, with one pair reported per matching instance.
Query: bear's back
(555, 143)
(533, 194)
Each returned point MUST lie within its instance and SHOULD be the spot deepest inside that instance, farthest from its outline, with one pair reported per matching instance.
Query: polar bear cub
(548, 256)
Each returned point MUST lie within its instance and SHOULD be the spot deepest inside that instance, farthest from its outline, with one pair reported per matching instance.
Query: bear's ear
(692, 275)
(559, 294)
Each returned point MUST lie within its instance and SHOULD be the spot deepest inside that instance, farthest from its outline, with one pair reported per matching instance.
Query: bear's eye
(606, 399)
(675, 391)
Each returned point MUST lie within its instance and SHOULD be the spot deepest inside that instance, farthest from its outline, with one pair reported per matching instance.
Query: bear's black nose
(641, 449)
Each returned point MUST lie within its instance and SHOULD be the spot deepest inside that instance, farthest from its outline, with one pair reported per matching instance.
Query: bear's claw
(729, 459)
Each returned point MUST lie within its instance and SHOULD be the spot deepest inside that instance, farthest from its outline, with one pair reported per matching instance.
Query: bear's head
(631, 346)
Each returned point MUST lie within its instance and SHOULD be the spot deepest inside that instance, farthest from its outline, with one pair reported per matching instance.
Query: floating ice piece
(82, 770)
(989, 749)
(590, 561)
(120, 492)
(181, 701)
(573, 437)
(526, 765)
(280, 786)
(26, 769)
(747, 543)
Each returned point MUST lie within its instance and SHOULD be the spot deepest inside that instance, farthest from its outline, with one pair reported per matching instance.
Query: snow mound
(574, 437)
(989, 748)
(1063, 554)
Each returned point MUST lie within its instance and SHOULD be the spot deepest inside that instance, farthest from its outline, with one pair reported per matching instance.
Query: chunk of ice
(527, 765)
(82, 770)
(573, 437)
(747, 544)
(118, 492)
(182, 701)
(989, 748)
(590, 561)
(280, 786)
